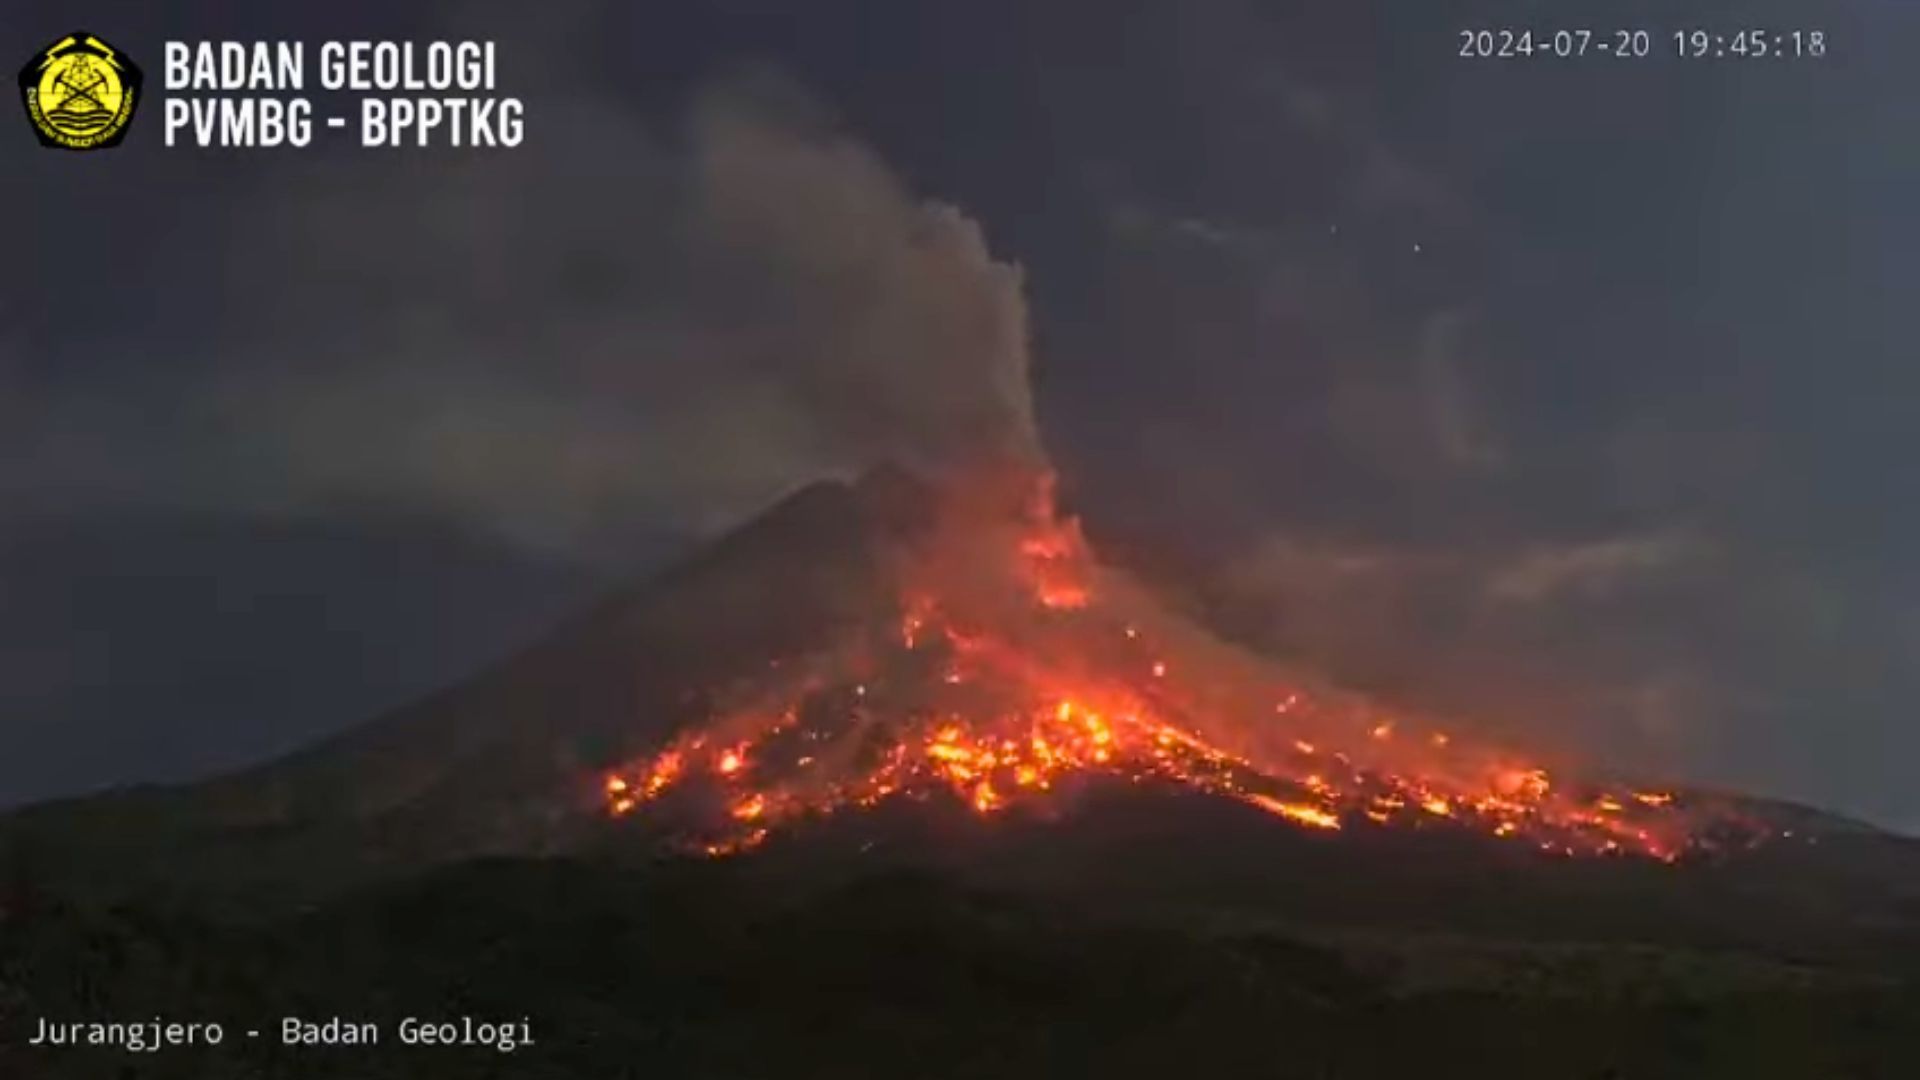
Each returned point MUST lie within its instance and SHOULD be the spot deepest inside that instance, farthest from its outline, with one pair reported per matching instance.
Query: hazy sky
(1575, 397)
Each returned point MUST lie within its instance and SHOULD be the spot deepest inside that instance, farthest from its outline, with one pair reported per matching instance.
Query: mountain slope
(509, 762)
(502, 763)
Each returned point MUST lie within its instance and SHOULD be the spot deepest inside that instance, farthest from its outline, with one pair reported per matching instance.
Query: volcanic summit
(892, 642)
(1005, 662)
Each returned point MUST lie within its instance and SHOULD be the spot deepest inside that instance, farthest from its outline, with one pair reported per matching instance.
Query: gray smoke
(632, 330)
(618, 327)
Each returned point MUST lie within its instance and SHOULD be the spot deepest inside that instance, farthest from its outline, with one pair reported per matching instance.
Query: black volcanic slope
(446, 858)
(503, 762)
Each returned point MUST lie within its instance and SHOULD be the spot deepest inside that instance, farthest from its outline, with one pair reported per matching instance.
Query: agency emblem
(80, 93)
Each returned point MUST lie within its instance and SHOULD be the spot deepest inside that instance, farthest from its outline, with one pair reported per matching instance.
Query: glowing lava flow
(998, 701)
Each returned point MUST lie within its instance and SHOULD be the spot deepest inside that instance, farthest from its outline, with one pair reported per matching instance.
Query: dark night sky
(1568, 396)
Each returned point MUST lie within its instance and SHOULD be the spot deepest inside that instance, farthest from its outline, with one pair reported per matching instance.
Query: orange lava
(998, 689)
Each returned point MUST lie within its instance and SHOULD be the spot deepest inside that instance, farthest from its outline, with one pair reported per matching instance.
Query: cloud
(1362, 612)
(1460, 427)
(1381, 176)
(1590, 569)
(672, 331)
(618, 327)
(1506, 633)
(910, 337)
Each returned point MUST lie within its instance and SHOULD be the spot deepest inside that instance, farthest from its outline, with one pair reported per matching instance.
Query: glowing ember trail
(1017, 664)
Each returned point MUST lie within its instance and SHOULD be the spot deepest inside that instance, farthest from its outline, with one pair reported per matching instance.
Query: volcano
(1006, 662)
(900, 771)
(868, 661)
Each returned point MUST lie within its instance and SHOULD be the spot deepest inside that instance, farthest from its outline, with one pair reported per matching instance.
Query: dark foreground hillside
(700, 970)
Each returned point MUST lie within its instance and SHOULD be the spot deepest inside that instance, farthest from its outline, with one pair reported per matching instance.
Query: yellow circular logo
(80, 93)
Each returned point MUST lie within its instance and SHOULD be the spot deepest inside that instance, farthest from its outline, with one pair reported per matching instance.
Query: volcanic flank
(898, 673)
(1008, 664)
(970, 786)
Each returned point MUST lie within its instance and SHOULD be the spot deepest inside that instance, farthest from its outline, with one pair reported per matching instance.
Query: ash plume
(712, 320)
(686, 320)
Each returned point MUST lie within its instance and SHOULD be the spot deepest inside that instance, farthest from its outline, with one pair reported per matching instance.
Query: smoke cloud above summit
(673, 324)
(708, 322)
